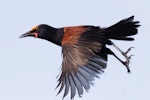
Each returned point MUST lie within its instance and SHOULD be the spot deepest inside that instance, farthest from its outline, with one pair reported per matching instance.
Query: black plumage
(84, 51)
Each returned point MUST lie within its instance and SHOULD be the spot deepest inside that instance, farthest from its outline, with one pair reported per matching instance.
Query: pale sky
(29, 66)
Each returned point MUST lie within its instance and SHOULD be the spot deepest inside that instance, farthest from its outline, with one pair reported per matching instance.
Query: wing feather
(72, 86)
(78, 84)
(66, 85)
(83, 60)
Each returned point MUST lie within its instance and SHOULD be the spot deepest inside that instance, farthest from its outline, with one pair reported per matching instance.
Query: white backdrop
(28, 67)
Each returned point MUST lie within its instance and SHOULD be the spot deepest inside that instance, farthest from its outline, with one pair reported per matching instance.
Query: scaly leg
(126, 63)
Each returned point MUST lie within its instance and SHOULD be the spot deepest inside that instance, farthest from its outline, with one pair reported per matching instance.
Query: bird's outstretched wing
(83, 59)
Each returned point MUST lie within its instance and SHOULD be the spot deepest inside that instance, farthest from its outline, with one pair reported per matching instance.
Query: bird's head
(41, 31)
(45, 32)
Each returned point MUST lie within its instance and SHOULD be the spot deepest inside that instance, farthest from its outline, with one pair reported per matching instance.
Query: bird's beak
(27, 35)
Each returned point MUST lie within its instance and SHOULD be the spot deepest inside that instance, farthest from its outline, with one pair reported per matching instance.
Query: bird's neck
(56, 36)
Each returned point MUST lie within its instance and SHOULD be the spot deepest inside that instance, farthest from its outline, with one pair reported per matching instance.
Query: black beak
(27, 35)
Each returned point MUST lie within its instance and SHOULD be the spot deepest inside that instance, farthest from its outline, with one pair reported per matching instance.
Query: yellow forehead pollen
(34, 28)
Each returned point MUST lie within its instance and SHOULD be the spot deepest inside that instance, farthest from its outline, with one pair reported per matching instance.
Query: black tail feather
(122, 29)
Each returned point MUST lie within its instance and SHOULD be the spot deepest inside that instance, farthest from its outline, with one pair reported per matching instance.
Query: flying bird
(84, 51)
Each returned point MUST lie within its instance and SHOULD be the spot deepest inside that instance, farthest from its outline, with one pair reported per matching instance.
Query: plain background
(29, 66)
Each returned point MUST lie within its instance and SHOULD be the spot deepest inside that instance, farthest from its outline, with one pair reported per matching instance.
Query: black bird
(84, 50)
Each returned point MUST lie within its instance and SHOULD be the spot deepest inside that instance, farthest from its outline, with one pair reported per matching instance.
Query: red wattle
(36, 35)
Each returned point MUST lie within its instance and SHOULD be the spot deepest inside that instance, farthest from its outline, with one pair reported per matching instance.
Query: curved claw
(128, 70)
(130, 56)
(128, 50)
(126, 63)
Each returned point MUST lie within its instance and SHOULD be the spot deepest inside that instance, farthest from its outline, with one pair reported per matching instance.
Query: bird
(85, 52)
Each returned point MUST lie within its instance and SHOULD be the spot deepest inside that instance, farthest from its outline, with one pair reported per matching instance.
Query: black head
(46, 32)
(41, 31)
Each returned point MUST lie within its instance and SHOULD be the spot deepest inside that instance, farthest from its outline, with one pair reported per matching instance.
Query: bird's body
(84, 50)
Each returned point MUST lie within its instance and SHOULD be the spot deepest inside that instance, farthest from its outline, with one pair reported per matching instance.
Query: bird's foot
(128, 50)
(126, 63)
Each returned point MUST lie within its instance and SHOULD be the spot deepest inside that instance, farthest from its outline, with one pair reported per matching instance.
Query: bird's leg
(126, 63)
(123, 53)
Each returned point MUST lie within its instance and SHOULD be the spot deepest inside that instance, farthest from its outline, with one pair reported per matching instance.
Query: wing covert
(83, 60)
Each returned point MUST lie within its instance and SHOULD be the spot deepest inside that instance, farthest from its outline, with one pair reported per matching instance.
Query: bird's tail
(123, 29)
